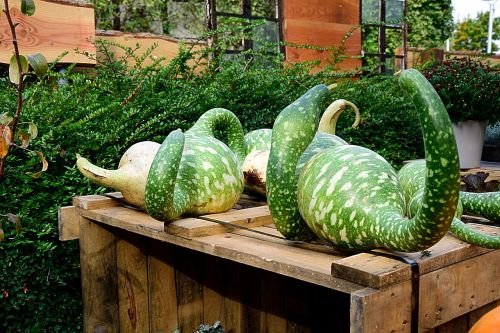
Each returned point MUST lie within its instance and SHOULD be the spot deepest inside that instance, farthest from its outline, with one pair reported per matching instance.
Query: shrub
(468, 88)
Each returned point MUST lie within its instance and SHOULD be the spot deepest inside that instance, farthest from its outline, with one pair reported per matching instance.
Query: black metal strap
(415, 285)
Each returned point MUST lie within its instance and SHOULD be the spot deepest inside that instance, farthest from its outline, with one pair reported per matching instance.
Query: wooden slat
(91, 202)
(371, 270)
(194, 227)
(274, 302)
(161, 283)
(214, 282)
(56, 27)
(458, 289)
(99, 278)
(189, 288)
(386, 310)
(163, 47)
(338, 11)
(68, 220)
(132, 271)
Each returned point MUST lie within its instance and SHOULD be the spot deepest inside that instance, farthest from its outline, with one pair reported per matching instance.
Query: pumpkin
(488, 323)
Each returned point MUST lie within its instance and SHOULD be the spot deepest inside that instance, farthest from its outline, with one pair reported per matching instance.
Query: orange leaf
(5, 140)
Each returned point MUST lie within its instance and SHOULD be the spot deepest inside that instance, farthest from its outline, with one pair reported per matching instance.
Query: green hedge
(39, 279)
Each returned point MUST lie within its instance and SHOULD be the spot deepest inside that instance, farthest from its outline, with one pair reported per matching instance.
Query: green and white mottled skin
(412, 178)
(294, 129)
(352, 197)
(194, 173)
(258, 144)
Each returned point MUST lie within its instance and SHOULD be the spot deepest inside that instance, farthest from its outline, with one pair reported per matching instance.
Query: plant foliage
(470, 89)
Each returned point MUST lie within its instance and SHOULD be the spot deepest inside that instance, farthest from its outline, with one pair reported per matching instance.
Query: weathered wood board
(57, 27)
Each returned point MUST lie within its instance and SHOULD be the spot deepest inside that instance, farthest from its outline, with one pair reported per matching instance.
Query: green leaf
(39, 64)
(14, 68)
(32, 130)
(28, 7)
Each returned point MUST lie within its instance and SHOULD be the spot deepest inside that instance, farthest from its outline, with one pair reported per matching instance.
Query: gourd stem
(219, 119)
(332, 113)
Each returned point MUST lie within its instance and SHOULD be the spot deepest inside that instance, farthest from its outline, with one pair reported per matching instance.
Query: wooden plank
(459, 325)
(252, 317)
(56, 27)
(195, 227)
(214, 282)
(322, 34)
(459, 289)
(371, 270)
(161, 284)
(132, 271)
(337, 11)
(91, 202)
(386, 310)
(162, 46)
(273, 302)
(99, 278)
(68, 221)
(189, 288)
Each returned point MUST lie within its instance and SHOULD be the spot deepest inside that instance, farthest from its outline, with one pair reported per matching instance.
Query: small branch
(20, 87)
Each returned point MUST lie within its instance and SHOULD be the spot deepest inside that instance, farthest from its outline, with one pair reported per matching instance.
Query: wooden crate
(139, 276)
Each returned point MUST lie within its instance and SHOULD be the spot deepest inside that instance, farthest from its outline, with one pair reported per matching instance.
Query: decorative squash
(489, 323)
(350, 195)
(412, 179)
(191, 173)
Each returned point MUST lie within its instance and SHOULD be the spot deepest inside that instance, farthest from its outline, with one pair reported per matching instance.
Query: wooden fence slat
(68, 221)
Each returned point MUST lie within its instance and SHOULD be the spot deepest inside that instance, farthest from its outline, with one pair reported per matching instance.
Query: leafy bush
(468, 88)
(101, 115)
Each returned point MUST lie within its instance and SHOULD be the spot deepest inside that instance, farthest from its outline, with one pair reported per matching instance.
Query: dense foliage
(101, 115)
(472, 33)
(469, 89)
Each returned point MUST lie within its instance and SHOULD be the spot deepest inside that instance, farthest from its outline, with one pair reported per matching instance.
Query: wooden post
(99, 279)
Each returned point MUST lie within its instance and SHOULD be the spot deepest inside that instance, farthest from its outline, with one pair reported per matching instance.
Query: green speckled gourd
(412, 178)
(194, 173)
(293, 130)
(352, 197)
(258, 145)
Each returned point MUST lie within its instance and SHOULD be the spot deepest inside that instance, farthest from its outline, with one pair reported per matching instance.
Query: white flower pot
(470, 137)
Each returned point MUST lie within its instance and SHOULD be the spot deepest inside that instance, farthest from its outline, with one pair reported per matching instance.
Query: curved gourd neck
(442, 181)
(328, 121)
(226, 122)
(104, 177)
(162, 202)
(293, 131)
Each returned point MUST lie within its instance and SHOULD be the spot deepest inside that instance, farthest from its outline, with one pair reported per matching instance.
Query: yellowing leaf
(5, 119)
(32, 130)
(2, 236)
(25, 138)
(5, 140)
(14, 68)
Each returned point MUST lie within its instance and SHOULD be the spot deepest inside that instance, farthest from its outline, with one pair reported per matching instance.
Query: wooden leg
(99, 278)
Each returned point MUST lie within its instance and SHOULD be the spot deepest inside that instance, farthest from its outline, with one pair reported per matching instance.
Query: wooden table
(139, 276)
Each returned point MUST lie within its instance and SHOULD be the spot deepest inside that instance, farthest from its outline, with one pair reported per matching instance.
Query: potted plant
(470, 91)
